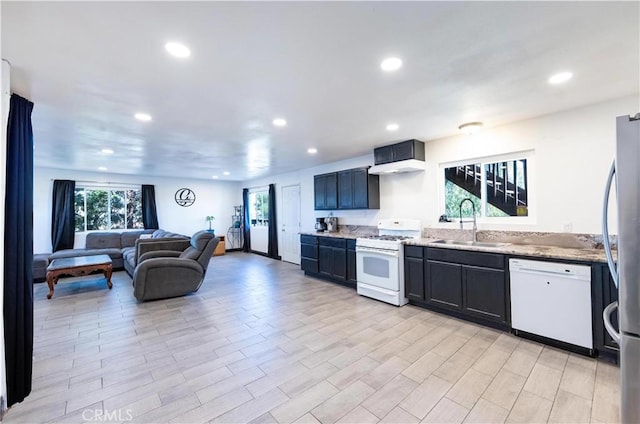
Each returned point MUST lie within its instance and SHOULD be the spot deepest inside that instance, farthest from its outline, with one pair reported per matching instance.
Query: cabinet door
(331, 191)
(360, 179)
(484, 293)
(339, 269)
(352, 275)
(444, 284)
(345, 190)
(403, 151)
(319, 191)
(309, 265)
(414, 278)
(325, 262)
(383, 155)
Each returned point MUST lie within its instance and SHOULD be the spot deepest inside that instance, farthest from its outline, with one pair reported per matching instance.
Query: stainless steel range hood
(403, 166)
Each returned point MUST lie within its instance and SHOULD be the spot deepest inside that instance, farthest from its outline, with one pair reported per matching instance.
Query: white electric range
(380, 264)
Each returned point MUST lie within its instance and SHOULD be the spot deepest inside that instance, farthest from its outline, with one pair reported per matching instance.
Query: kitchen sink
(471, 243)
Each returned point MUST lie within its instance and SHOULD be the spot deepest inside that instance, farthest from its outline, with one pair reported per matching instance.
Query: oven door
(378, 267)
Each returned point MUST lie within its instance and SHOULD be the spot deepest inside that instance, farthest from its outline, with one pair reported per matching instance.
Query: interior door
(291, 224)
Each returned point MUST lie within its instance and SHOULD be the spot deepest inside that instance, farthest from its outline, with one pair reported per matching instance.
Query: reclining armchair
(163, 273)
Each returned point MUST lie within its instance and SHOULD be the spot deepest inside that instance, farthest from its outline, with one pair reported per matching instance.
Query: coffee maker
(321, 226)
(332, 224)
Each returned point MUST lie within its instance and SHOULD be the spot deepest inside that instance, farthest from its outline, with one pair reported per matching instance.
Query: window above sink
(499, 187)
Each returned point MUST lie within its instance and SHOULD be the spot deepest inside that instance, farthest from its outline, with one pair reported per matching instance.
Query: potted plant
(210, 219)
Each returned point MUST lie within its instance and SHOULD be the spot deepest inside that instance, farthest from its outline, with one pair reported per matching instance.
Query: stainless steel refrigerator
(625, 172)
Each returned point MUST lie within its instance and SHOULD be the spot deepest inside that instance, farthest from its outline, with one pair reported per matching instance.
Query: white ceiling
(90, 66)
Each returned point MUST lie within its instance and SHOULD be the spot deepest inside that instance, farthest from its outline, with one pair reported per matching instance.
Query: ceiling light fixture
(227, 173)
(560, 77)
(312, 150)
(145, 117)
(470, 127)
(279, 122)
(102, 168)
(107, 151)
(393, 127)
(391, 64)
(215, 177)
(177, 50)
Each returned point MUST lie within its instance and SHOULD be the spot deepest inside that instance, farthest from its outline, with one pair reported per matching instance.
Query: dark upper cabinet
(325, 188)
(348, 189)
(444, 284)
(484, 293)
(410, 149)
(345, 190)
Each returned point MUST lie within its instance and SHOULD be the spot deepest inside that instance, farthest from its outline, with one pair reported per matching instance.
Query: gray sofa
(122, 248)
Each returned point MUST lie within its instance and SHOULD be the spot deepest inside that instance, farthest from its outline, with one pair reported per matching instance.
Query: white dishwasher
(552, 300)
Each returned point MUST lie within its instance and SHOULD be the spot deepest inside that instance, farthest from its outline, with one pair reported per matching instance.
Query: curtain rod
(103, 182)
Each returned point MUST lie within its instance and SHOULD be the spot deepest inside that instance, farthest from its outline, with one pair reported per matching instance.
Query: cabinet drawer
(309, 251)
(465, 257)
(308, 239)
(333, 242)
(414, 252)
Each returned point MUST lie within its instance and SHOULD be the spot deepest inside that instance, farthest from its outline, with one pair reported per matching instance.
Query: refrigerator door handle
(606, 315)
(605, 224)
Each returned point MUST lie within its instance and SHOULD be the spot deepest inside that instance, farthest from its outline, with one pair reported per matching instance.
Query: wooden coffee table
(81, 265)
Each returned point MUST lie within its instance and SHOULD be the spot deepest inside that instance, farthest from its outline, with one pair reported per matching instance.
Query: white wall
(6, 96)
(572, 154)
(212, 198)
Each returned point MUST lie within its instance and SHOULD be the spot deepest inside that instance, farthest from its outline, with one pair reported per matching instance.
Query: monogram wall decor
(185, 197)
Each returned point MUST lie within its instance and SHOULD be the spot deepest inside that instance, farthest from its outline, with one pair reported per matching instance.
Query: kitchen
(550, 210)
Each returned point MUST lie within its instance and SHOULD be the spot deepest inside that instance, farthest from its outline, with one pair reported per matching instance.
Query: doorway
(291, 224)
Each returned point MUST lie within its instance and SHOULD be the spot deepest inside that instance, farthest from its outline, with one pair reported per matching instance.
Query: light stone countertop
(534, 251)
(339, 234)
(550, 252)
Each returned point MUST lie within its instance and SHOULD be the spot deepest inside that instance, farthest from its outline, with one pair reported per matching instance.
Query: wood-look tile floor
(260, 342)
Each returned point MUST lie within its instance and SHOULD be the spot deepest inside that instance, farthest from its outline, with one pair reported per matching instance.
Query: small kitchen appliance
(379, 260)
(332, 224)
(321, 226)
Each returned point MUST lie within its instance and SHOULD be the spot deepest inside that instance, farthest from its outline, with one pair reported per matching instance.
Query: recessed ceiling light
(391, 64)
(470, 127)
(227, 173)
(102, 168)
(312, 150)
(177, 49)
(279, 122)
(392, 127)
(215, 177)
(142, 117)
(107, 151)
(560, 77)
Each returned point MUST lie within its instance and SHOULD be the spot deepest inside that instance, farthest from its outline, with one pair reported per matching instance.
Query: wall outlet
(568, 227)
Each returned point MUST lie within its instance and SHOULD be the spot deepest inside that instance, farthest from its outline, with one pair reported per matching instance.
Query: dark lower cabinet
(458, 282)
(414, 278)
(352, 276)
(604, 292)
(309, 254)
(484, 293)
(334, 258)
(444, 284)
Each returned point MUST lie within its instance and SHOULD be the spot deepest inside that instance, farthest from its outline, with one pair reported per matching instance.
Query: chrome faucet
(475, 227)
